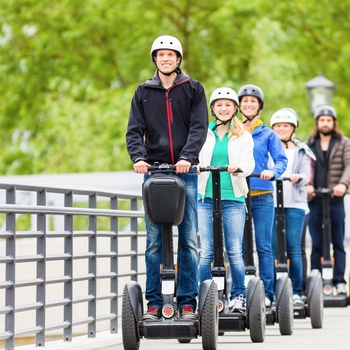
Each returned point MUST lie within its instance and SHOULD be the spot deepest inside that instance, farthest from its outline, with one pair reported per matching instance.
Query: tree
(70, 68)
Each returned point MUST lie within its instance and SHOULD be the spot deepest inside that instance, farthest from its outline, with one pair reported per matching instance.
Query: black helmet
(325, 110)
(252, 90)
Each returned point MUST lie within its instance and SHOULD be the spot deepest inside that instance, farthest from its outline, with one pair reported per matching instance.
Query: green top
(220, 159)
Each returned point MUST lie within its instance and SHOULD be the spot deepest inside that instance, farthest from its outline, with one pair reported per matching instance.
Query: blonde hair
(237, 128)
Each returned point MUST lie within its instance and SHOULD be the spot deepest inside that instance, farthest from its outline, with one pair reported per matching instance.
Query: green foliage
(69, 68)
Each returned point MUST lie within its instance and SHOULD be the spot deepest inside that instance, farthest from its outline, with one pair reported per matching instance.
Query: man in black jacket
(168, 123)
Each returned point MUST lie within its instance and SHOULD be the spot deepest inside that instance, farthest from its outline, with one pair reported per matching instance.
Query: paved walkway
(333, 335)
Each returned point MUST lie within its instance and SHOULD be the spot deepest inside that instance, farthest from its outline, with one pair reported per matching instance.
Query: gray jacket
(338, 162)
(302, 166)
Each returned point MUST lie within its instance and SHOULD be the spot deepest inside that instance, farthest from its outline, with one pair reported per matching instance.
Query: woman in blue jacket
(266, 143)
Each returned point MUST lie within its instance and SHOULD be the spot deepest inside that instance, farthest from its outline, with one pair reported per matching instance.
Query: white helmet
(224, 92)
(166, 42)
(284, 115)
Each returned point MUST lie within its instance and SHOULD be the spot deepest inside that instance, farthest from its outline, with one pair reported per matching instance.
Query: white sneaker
(297, 300)
(237, 304)
(341, 288)
(267, 302)
(231, 304)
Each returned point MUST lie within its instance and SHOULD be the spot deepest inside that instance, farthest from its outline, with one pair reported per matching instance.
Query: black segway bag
(164, 197)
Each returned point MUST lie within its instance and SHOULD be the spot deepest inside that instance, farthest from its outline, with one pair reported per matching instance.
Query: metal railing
(81, 265)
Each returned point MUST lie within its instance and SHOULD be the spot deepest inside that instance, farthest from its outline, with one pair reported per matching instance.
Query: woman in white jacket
(227, 144)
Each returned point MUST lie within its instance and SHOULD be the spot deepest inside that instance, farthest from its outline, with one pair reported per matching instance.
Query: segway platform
(164, 196)
(231, 320)
(329, 297)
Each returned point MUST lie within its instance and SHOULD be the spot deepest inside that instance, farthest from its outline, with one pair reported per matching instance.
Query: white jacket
(240, 153)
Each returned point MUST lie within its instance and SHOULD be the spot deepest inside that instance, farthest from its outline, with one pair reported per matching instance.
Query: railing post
(68, 268)
(10, 269)
(92, 268)
(41, 270)
(134, 240)
(114, 265)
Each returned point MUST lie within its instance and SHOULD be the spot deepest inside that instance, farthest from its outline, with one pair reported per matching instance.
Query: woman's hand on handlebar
(310, 190)
(294, 178)
(232, 169)
(267, 175)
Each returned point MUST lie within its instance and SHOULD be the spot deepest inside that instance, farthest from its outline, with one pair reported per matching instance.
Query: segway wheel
(131, 339)
(209, 319)
(285, 309)
(256, 312)
(316, 303)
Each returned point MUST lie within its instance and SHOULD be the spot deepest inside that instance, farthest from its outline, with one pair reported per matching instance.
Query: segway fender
(135, 295)
(203, 292)
(279, 287)
(312, 279)
(251, 289)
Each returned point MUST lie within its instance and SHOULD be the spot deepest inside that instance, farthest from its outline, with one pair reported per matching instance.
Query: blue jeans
(263, 214)
(337, 217)
(294, 223)
(233, 219)
(187, 257)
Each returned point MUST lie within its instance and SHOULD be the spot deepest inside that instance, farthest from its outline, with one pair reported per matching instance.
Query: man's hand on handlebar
(140, 167)
(183, 166)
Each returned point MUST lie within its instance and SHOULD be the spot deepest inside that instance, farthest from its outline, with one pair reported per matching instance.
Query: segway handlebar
(164, 167)
(254, 175)
(283, 178)
(161, 167)
(217, 168)
(323, 190)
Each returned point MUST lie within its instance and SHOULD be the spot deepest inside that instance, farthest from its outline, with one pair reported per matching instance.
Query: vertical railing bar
(134, 240)
(41, 270)
(68, 268)
(92, 268)
(114, 265)
(10, 270)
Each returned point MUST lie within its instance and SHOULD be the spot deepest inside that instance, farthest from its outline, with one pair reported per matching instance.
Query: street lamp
(319, 92)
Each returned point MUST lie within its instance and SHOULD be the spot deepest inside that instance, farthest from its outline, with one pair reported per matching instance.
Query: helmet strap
(220, 121)
(249, 119)
(177, 70)
(286, 142)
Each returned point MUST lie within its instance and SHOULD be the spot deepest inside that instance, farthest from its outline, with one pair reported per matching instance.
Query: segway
(281, 310)
(254, 317)
(164, 201)
(313, 305)
(330, 299)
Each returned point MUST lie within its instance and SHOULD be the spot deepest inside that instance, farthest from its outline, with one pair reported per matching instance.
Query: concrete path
(335, 334)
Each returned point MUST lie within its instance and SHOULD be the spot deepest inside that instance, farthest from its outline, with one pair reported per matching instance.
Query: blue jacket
(266, 143)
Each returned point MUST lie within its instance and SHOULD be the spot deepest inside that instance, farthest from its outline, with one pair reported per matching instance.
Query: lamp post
(319, 92)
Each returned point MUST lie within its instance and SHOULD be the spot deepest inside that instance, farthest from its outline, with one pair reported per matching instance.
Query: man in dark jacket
(330, 170)
(168, 123)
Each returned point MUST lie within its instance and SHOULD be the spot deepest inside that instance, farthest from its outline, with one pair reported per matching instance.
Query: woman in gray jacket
(284, 122)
